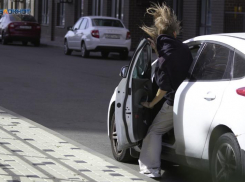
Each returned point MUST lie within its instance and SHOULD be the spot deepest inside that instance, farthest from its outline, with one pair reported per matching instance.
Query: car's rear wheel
(4, 40)
(84, 51)
(124, 55)
(119, 155)
(67, 51)
(24, 43)
(226, 162)
(105, 54)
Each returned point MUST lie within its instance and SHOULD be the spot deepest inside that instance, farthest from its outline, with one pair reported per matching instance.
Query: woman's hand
(147, 104)
(153, 45)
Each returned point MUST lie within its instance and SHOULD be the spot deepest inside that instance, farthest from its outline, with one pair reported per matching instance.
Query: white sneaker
(152, 173)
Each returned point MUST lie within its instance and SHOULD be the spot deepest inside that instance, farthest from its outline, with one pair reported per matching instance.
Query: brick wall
(191, 18)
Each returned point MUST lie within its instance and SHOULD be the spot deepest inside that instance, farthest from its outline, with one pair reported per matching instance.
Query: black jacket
(172, 66)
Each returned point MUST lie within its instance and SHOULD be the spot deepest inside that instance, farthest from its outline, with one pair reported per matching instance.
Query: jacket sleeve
(161, 75)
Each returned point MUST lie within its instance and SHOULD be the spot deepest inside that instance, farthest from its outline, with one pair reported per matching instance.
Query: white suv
(98, 34)
(209, 114)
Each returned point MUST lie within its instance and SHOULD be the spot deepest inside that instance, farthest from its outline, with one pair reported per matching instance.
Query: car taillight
(128, 35)
(38, 27)
(95, 33)
(241, 91)
(11, 25)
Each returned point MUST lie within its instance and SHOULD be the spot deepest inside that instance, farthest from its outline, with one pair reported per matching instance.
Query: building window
(5, 4)
(206, 17)
(97, 7)
(61, 14)
(30, 5)
(117, 9)
(82, 8)
(45, 12)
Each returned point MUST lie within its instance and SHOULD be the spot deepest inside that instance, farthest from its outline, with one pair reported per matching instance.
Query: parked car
(209, 117)
(19, 28)
(98, 34)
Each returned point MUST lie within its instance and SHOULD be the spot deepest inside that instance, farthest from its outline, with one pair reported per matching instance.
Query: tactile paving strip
(29, 153)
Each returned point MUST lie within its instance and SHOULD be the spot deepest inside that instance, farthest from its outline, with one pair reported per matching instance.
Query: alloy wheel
(225, 163)
(115, 140)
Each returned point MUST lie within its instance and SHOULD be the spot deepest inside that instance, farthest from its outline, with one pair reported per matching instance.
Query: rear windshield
(107, 23)
(28, 18)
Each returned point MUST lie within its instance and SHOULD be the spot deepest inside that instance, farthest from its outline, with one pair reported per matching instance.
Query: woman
(171, 70)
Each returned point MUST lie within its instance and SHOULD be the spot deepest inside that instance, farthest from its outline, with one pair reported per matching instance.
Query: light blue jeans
(150, 156)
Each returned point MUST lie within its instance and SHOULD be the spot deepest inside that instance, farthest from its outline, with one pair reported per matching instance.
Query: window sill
(61, 27)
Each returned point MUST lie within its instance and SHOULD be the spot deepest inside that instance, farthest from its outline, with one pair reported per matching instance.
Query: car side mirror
(69, 28)
(124, 71)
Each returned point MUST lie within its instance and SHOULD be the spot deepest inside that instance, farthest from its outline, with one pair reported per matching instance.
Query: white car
(209, 114)
(98, 34)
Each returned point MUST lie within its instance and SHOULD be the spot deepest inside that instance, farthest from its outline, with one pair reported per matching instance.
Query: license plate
(112, 36)
(25, 27)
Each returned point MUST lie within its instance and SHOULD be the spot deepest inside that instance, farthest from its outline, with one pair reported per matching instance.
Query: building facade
(198, 17)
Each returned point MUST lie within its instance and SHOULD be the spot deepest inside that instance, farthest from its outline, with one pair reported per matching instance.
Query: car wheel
(124, 55)
(122, 155)
(24, 43)
(37, 43)
(105, 54)
(4, 40)
(67, 51)
(226, 162)
(84, 51)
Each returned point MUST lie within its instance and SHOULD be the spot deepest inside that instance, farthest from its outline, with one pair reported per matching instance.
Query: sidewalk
(30, 152)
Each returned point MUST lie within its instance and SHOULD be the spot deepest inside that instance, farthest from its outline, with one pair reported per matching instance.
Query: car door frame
(79, 33)
(124, 137)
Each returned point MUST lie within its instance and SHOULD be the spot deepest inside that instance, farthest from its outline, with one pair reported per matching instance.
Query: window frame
(85, 25)
(233, 64)
(229, 67)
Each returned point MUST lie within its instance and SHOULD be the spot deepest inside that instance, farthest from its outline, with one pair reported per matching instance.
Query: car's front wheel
(84, 51)
(119, 155)
(67, 51)
(226, 162)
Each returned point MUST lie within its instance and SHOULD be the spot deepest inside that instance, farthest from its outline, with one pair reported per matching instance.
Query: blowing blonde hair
(165, 21)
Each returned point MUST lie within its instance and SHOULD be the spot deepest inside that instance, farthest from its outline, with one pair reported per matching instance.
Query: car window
(28, 18)
(194, 49)
(2, 19)
(77, 24)
(212, 63)
(239, 65)
(107, 23)
(142, 68)
(83, 24)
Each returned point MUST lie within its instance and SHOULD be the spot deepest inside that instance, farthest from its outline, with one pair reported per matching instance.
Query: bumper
(10, 37)
(110, 49)
(112, 45)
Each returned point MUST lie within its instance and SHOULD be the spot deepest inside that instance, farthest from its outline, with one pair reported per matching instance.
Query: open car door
(132, 119)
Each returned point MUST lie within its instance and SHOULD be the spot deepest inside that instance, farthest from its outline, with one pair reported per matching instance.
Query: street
(69, 95)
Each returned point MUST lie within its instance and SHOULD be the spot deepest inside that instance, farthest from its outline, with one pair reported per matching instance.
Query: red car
(19, 28)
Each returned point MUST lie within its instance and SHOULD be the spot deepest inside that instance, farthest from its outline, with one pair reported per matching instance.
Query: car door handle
(210, 96)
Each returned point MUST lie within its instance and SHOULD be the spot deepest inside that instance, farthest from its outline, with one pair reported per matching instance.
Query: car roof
(101, 17)
(235, 40)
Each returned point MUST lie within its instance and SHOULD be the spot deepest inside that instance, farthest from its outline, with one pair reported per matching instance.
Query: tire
(24, 43)
(123, 155)
(4, 40)
(124, 55)
(36, 43)
(105, 54)
(67, 51)
(226, 162)
(84, 51)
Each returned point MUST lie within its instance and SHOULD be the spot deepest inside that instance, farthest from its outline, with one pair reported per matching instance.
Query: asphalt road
(69, 95)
